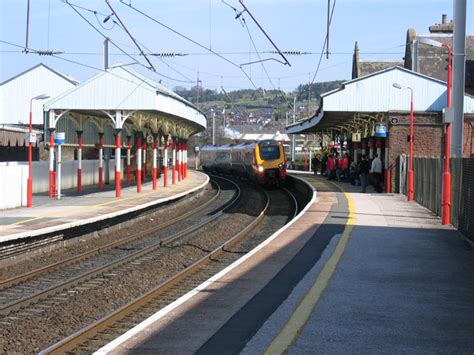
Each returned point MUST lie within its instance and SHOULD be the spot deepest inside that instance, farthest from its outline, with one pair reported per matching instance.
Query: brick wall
(428, 142)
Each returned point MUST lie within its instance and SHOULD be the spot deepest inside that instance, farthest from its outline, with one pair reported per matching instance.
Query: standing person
(353, 173)
(315, 163)
(345, 167)
(331, 168)
(324, 162)
(339, 168)
(364, 168)
(376, 171)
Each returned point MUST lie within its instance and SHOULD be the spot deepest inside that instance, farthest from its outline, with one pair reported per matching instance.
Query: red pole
(52, 177)
(185, 160)
(178, 161)
(154, 171)
(101, 161)
(387, 169)
(118, 160)
(79, 161)
(410, 167)
(29, 186)
(446, 210)
(165, 163)
(173, 164)
(144, 160)
(129, 146)
(139, 164)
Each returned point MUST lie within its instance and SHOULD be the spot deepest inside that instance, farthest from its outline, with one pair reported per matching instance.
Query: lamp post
(446, 202)
(412, 129)
(29, 186)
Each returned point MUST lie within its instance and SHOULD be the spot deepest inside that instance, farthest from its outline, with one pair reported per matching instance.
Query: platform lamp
(446, 202)
(29, 186)
(412, 131)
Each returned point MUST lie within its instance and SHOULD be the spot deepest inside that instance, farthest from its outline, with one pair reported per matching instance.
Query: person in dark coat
(364, 168)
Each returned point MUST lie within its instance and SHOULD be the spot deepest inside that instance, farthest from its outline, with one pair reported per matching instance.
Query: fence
(429, 183)
(14, 175)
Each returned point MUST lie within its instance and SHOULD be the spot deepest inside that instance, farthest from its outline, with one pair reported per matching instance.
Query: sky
(379, 26)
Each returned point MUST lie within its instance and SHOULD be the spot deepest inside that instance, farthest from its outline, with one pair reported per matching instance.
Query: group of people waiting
(343, 168)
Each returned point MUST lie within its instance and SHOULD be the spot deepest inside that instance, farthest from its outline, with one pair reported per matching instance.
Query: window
(269, 150)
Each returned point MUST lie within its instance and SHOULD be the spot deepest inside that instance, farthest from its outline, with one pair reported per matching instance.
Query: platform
(73, 209)
(356, 273)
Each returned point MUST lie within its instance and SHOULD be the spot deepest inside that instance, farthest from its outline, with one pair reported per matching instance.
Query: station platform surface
(356, 273)
(76, 209)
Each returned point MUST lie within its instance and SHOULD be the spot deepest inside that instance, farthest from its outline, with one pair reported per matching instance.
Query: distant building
(432, 61)
(15, 96)
(421, 58)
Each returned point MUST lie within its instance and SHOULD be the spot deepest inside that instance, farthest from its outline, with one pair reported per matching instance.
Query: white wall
(14, 175)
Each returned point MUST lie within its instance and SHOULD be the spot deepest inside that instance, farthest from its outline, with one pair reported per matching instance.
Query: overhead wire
(324, 44)
(73, 6)
(189, 39)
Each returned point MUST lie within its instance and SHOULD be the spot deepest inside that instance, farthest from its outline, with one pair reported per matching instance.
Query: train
(263, 162)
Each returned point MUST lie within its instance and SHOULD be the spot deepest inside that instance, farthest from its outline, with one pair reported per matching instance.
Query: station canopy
(128, 101)
(361, 103)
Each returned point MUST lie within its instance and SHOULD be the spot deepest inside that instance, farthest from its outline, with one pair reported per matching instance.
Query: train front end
(270, 163)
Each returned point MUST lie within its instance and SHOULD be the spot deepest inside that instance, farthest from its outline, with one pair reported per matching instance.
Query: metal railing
(428, 188)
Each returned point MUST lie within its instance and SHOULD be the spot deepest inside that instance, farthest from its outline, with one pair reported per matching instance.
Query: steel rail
(43, 294)
(73, 341)
(28, 275)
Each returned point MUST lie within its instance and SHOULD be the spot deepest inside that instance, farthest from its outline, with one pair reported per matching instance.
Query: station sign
(356, 137)
(59, 137)
(381, 130)
(30, 137)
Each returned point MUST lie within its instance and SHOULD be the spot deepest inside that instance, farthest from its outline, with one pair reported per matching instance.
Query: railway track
(116, 323)
(23, 290)
(103, 288)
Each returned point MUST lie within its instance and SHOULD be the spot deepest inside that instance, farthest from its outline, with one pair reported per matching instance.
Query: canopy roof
(125, 96)
(373, 94)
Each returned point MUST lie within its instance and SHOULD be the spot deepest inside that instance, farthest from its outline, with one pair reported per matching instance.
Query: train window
(269, 150)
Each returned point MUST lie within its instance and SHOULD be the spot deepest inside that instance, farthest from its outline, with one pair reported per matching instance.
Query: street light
(29, 186)
(412, 129)
(446, 210)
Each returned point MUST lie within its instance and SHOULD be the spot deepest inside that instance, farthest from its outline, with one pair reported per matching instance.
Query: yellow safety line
(86, 207)
(282, 342)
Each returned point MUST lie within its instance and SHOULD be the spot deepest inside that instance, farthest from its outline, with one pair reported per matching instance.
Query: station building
(15, 97)
(371, 116)
(118, 127)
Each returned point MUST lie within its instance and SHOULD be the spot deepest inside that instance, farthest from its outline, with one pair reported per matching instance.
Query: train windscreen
(269, 150)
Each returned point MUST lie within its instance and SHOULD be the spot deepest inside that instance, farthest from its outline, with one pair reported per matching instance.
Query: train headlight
(281, 166)
(260, 168)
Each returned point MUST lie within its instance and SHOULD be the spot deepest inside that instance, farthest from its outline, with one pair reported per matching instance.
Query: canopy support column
(173, 163)
(52, 173)
(145, 146)
(165, 162)
(129, 146)
(101, 161)
(79, 161)
(139, 162)
(118, 146)
(155, 157)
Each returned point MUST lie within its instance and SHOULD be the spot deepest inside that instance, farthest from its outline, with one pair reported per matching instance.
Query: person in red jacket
(331, 168)
(345, 167)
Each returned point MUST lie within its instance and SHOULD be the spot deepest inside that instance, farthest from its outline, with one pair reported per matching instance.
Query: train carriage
(263, 161)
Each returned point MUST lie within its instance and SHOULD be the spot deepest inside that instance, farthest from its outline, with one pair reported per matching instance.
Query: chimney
(444, 19)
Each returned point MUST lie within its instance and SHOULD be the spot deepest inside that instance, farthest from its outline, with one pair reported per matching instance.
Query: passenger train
(263, 162)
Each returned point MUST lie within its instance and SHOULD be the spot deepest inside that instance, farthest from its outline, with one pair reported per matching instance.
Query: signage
(59, 137)
(381, 130)
(356, 137)
(149, 139)
(30, 137)
(448, 115)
